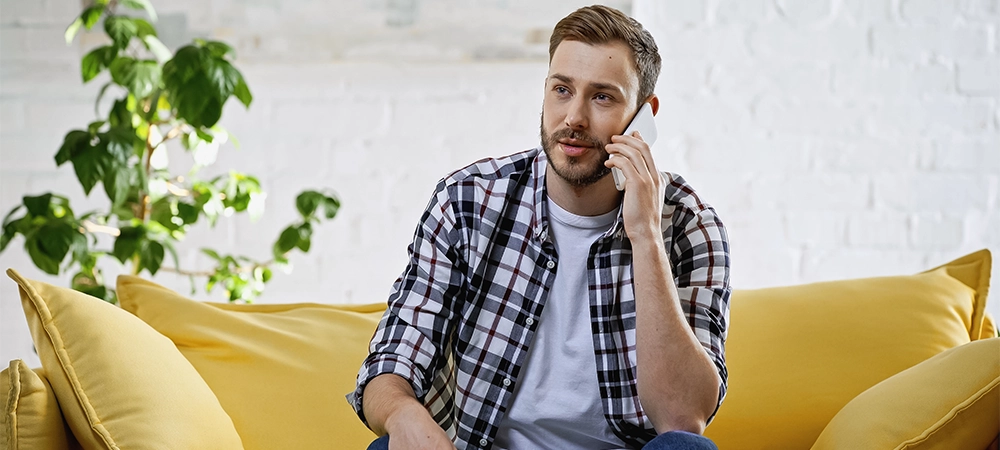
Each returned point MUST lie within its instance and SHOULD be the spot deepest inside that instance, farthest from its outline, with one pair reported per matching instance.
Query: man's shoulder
(679, 194)
(490, 170)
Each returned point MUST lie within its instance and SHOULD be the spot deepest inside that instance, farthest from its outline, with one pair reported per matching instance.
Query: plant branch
(208, 273)
(92, 227)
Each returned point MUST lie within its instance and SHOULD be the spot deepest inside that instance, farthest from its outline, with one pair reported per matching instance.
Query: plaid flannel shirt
(463, 313)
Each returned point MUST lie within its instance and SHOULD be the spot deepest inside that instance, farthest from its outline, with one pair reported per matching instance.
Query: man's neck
(594, 200)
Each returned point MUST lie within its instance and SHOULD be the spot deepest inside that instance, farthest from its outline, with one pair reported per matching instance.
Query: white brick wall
(837, 138)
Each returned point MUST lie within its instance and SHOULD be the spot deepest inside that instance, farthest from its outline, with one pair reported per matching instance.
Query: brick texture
(837, 138)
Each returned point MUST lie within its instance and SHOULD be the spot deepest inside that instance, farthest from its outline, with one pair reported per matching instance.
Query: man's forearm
(677, 382)
(386, 395)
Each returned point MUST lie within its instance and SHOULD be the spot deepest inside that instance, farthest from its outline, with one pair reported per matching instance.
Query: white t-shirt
(557, 403)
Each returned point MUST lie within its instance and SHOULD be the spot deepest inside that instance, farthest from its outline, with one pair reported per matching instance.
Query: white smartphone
(643, 123)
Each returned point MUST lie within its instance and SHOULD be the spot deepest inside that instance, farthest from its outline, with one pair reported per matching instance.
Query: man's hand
(391, 407)
(644, 189)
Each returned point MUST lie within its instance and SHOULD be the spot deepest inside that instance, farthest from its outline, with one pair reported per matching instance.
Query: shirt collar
(540, 217)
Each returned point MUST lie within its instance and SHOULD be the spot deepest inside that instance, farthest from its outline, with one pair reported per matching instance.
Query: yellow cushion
(31, 417)
(796, 355)
(119, 383)
(281, 371)
(951, 401)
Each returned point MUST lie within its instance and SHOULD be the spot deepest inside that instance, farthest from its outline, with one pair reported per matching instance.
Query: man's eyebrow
(595, 85)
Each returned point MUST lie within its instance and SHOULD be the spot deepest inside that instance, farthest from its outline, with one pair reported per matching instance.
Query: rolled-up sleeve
(411, 334)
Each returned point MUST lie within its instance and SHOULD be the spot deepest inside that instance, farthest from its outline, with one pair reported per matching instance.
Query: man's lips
(574, 147)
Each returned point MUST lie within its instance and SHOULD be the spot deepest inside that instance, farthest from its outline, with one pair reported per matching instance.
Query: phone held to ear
(643, 123)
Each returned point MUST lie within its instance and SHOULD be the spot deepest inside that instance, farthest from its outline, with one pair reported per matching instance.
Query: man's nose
(577, 117)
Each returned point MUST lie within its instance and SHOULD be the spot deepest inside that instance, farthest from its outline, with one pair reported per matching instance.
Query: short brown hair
(599, 24)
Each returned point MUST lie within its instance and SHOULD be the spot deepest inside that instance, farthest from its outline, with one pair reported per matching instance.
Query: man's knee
(381, 443)
(680, 440)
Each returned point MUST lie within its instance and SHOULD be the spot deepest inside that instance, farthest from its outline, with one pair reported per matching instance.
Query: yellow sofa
(900, 362)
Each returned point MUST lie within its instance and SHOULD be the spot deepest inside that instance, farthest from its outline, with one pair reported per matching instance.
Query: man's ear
(654, 101)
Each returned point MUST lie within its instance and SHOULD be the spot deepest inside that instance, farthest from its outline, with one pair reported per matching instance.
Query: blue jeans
(671, 440)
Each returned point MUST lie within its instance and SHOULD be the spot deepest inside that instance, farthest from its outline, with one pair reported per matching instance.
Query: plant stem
(208, 273)
(148, 167)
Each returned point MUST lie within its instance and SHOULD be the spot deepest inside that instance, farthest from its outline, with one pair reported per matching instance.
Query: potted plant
(162, 97)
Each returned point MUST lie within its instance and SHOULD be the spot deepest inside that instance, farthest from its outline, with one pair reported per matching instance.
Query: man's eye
(602, 97)
(561, 90)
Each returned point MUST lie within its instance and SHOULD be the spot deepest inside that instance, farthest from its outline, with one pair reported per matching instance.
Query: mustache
(567, 133)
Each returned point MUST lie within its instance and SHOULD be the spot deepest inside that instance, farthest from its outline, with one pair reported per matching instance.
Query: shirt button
(551, 264)
(506, 382)
(483, 442)
(529, 321)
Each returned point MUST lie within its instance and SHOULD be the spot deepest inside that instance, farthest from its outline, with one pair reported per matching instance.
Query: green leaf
(87, 19)
(305, 237)
(331, 205)
(121, 29)
(188, 213)
(117, 184)
(139, 77)
(154, 45)
(223, 76)
(127, 243)
(182, 67)
(120, 114)
(120, 142)
(9, 227)
(38, 206)
(307, 202)
(212, 253)
(41, 259)
(288, 240)
(143, 27)
(89, 166)
(140, 4)
(91, 15)
(89, 284)
(74, 143)
(207, 137)
(151, 257)
(210, 114)
(191, 99)
(49, 245)
(95, 127)
(219, 49)
(97, 60)
(242, 92)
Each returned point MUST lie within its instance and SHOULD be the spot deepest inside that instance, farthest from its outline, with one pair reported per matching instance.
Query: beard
(578, 172)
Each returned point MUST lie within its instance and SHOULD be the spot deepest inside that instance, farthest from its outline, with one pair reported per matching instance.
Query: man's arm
(405, 351)
(678, 383)
(391, 408)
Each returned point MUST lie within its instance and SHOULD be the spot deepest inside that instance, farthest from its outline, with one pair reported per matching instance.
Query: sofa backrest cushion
(796, 355)
(30, 414)
(281, 371)
(947, 402)
(119, 383)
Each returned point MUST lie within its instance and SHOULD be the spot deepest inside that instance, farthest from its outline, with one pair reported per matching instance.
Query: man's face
(590, 95)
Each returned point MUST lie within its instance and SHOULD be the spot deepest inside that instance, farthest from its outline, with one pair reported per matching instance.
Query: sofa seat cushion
(281, 371)
(119, 383)
(947, 402)
(796, 355)
(30, 414)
